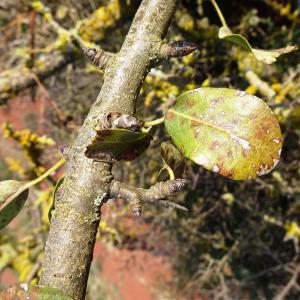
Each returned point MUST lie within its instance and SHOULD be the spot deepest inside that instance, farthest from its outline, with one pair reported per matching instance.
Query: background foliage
(240, 240)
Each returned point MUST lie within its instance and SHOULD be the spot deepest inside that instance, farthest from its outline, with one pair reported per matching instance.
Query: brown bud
(97, 56)
(176, 185)
(127, 122)
(137, 212)
(177, 49)
(182, 48)
(136, 205)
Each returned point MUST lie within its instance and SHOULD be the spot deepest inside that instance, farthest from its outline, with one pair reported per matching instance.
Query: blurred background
(239, 240)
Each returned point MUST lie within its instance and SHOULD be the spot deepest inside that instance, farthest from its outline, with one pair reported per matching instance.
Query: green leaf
(173, 159)
(110, 145)
(24, 291)
(227, 131)
(58, 184)
(266, 56)
(12, 199)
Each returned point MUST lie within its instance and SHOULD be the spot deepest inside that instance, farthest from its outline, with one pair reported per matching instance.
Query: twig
(33, 272)
(155, 194)
(48, 97)
(15, 80)
(290, 285)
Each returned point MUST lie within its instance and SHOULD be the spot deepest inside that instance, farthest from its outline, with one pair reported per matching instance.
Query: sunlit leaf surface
(11, 200)
(266, 56)
(226, 131)
(110, 145)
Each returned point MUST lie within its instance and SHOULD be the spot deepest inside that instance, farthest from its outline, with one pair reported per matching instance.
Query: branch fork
(156, 194)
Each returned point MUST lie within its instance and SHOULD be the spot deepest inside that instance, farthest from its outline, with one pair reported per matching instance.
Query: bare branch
(156, 194)
(15, 80)
(292, 283)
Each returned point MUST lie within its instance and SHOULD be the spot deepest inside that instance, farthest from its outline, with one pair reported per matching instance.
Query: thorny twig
(292, 283)
(155, 194)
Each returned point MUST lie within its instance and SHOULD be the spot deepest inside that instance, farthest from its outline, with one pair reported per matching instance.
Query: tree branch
(15, 80)
(73, 229)
(155, 194)
(289, 286)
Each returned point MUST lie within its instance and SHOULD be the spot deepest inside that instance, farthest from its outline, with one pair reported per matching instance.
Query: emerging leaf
(12, 199)
(266, 56)
(24, 291)
(226, 131)
(110, 145)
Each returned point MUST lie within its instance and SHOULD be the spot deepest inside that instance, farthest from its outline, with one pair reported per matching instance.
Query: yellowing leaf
(226, 131)
(266, 56)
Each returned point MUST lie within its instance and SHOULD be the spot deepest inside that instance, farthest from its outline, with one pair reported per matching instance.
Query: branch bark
(69, 248)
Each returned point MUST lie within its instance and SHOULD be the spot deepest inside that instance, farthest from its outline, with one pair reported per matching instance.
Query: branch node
(119, 120)
(156, 194)
(177, 185)
(137, 207)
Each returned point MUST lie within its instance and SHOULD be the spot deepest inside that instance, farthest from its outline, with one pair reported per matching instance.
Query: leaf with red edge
(226, 131)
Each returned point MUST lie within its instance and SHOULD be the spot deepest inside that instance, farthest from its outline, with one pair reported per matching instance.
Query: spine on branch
(98, 57)
(176, 49)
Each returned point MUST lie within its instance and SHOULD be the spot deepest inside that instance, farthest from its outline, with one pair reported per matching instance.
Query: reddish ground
(137, 274)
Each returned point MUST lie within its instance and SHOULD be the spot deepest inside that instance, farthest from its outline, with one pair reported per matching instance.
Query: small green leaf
(173, 159)
(12, 199)
(58, 184)
(227, 131)
(24, 291)
(110, 145)
(266, 56)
